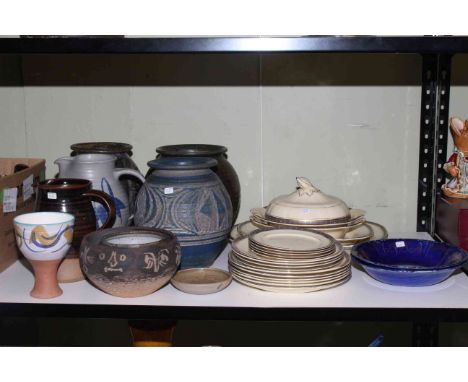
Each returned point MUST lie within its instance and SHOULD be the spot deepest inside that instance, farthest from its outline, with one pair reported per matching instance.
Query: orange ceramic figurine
(457, 165)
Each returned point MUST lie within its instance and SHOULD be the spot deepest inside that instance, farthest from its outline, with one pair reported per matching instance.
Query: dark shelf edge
(230, 313)
(358, 44)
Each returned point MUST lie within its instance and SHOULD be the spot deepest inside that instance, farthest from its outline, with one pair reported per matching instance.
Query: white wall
(458, 91)
(348, 122)
(12, 119)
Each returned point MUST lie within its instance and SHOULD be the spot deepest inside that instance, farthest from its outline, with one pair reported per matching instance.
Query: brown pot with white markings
(130, 261)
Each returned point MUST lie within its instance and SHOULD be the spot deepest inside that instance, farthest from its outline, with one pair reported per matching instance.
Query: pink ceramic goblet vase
(44, 238)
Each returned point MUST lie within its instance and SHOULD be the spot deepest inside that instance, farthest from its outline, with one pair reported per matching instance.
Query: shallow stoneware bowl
(201, 280)
(44, 236)
(130, 261)
(409, 262)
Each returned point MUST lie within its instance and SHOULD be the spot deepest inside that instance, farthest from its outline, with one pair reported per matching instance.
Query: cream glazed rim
(356, 216)
(241, 247)
(234, 233)
(362, 233)
(291, 240)
(299, 281)
(379, 233)
(287, 283)
(290, 289)
(315, 272)
(290, 267)
(246, 228)
(307, 204)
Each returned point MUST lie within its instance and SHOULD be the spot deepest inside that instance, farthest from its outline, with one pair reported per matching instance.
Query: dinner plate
(291, 265)
(307, 276)
(246, 228)
(361, 233)
(380, 232)
(276, 289)
(234, 233)
(256, 266)
(318, 267)
(241, 247)
(302, 280)
(341, 261)
(290, 255)
(291, 240)
(288, 284)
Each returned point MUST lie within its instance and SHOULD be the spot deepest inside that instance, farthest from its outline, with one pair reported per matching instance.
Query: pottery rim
(64, 184)
(182, 163)
(161, 237)
(98, 147)
(89, 158)
(195, 150)
(38, 218)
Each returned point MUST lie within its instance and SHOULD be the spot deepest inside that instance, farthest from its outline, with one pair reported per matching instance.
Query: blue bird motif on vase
(101, 213)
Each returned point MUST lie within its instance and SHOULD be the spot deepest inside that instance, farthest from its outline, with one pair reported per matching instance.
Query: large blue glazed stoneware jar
(184, 196)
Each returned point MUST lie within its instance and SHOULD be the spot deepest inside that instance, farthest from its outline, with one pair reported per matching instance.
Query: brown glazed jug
(74, 196)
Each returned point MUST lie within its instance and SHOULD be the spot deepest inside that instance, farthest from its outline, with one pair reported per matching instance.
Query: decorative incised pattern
(196, 211)
(154, 262)
(148, 207)
(115, 261)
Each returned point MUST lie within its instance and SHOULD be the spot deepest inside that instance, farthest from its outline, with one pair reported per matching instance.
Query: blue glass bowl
(409, 262)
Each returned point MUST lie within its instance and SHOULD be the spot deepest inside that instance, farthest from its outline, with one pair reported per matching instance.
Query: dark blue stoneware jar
(184, 196)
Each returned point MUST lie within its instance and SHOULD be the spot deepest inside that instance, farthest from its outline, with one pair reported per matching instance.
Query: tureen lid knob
(304, 186)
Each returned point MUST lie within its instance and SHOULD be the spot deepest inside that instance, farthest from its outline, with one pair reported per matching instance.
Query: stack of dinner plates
(356, 233)
(289, 260)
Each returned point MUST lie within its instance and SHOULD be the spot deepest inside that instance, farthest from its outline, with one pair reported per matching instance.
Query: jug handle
(107, 202)
(118, 172)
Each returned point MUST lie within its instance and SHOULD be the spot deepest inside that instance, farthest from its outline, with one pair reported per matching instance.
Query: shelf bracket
(435, 89)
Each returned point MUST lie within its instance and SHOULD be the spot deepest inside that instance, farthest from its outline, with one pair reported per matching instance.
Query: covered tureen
(307, 205)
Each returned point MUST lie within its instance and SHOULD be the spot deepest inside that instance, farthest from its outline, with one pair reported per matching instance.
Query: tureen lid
(307, 205)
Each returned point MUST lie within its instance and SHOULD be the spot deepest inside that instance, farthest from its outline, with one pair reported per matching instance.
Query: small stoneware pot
(130, 262)
(223, 167)
(184, 196)
(44, 238)
(123, 153)
(74, 196)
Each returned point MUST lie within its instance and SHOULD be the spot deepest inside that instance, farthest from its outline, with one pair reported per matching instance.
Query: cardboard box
(17, 196)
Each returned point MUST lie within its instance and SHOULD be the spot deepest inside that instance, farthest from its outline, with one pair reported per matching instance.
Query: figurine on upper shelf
(457, 165)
